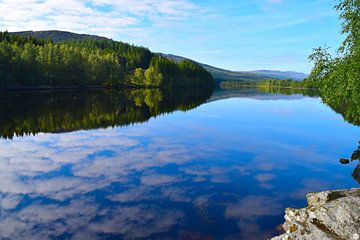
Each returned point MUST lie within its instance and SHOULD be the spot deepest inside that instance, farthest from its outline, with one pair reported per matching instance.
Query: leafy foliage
(339, 78)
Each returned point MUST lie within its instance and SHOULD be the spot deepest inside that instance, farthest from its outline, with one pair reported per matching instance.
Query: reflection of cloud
(136, 222)
(10, 201)
(199, 179)
(213, 173)
(158, 179)
(40, 221)
(64, 167)
(251, 230)
(60, 166)
(266, 186)
(310, 185)
(266, 166)
(176, 194)
(146, 192)
(135, 194)
(201, 201)
(190, 235)
(264, 177)
(220, 179)
(254, 206)
(248, 210)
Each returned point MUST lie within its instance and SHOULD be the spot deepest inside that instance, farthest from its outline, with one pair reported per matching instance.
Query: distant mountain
(279, 74)
(246, 76)
(222, 74)
(58, 36)
(218, 74)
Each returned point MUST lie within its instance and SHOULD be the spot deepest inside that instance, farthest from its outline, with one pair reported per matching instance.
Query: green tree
(339, 78)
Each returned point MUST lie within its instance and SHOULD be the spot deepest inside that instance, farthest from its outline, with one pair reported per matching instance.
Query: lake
(151, 164)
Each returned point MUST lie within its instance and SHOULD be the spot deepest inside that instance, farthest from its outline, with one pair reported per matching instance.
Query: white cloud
(102, 17)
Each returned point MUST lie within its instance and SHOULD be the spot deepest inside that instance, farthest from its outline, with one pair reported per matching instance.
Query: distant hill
(218, 74)
(279, 74)
(58, 36)
(246, 76)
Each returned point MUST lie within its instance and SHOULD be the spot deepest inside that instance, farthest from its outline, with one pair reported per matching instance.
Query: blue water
(224, 170)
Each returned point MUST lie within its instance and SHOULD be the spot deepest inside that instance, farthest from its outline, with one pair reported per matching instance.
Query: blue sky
(236, 35)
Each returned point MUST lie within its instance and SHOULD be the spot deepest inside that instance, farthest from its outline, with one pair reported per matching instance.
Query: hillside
(58, 36)
(54, 59)
(283, 75)
(246, 76)
(218, 74)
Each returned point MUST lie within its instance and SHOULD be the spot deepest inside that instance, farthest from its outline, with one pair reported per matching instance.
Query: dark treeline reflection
(24, 113)
(289, 91)
(354, 157)
(346, 105)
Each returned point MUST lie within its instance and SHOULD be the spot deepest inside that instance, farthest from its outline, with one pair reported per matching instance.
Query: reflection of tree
(25, 113)
(152, 99)
(346, 103)
(355, 156)
(356, 173)
(288, 91)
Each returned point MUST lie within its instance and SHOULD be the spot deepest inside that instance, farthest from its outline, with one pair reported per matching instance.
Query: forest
(28, 62)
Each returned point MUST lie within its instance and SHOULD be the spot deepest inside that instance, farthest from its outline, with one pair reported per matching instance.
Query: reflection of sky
(225, 169)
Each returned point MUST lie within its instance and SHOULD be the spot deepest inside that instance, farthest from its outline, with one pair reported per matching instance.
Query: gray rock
(329, 215)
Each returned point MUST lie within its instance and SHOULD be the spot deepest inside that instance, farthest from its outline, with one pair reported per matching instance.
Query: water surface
(163, 165)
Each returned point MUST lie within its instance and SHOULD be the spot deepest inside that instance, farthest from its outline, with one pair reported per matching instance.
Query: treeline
(30, 62)
(31, 112)
(229, 84)
(165, 72)
(265, 83)
(286, 83)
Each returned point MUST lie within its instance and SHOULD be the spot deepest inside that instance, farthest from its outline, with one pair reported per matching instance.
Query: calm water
(109, 165)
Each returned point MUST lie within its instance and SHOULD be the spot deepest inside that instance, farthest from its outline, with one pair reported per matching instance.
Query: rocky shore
(329, 215)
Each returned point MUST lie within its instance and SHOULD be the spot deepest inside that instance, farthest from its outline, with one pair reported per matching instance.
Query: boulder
(329, 215)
